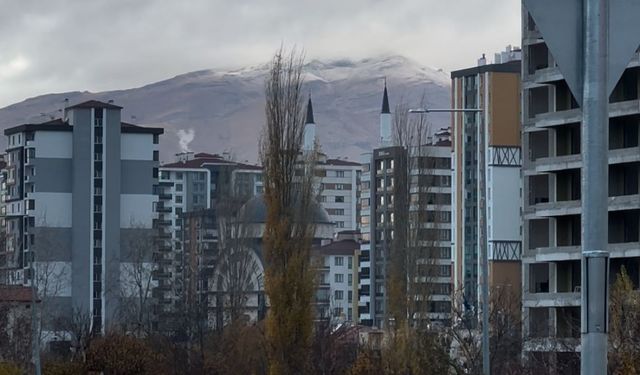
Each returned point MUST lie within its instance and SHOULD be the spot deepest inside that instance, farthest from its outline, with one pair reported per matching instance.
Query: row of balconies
(573, 207)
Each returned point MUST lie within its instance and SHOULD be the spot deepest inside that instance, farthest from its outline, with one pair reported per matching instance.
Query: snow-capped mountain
(217, 110)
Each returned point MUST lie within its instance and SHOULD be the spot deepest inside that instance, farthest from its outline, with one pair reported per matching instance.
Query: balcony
(571, 116)
(163, 209)
(551, 299)
(562, 208)
(165, 196)
(547, 75)
(574, 161)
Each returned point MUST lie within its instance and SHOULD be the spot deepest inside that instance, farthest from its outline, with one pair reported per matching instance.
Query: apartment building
(338, 180)
(79, 197)
(413, 184)
(336, 295)
(552, 209)
(199, 240)
(486, 176)
(189, 189)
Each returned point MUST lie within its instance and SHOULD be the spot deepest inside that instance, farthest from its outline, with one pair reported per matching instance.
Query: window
(164, 175)
(178, 198)
(155, 172)
(338, 295)
(178, 211)
(350, 263)
(339, 199)
(350, 296)
(178, 175)
(445, 271)
(339, 173)
(339, 224)
(339, 261)
(339, 278)
(350, 279)
(156, 139)
(337, 312)
(156, 155)
(178, 187)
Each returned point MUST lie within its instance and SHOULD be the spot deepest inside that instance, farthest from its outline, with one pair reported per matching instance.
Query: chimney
(482, 61)
(64, 110)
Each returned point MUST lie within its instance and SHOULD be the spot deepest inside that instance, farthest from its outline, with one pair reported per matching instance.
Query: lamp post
(482, 234)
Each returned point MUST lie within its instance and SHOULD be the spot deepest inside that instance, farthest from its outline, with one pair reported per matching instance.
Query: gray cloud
(63, 45)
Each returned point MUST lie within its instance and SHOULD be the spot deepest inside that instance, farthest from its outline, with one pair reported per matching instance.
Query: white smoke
(186, 137)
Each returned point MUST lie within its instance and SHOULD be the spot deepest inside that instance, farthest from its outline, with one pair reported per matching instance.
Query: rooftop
(343, 247)
(15, 293)
(202, 159)
(60, 124)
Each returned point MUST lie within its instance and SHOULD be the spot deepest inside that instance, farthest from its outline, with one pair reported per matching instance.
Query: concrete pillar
(553, 236)
(553, 278)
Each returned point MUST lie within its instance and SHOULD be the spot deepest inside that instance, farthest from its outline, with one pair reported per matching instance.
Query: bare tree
(288, 185)
(137, 281)
(239, 275)
(416, 219)
(15, 334)
(79, 326)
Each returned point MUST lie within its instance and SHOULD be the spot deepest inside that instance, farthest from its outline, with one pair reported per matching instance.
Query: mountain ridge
(217, 110)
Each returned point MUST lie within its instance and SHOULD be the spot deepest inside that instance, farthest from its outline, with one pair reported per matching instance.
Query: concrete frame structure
(552, 208)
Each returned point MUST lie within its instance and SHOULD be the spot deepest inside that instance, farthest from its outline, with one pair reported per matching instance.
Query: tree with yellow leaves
(288, 194)
(624, 326)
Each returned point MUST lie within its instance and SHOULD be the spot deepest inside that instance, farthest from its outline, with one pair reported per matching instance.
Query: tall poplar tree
(288, 194)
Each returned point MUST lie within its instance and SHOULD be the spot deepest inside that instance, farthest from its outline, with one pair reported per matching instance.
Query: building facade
(338, 180)
(486, 177)
(337, 291)
(79, 197)
(405, 201)
(191, 188)
(552, 209)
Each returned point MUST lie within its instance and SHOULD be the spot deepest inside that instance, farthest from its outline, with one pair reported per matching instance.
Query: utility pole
(35, 327)
(595, 180)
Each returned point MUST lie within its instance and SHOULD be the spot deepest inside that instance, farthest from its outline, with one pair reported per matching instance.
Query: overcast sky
(63, 45)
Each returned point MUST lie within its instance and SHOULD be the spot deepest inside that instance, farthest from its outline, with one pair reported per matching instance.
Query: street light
(486, 369)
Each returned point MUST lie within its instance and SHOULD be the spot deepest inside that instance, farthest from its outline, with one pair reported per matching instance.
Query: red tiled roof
(15, 293)
(202, 158)
(344, 247)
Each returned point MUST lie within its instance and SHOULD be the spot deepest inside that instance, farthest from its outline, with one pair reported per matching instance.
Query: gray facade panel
(137, 176)
(137, 245)
(52, 175)
(52, 244)
(112, 180)
(59, 310)
(81, 201)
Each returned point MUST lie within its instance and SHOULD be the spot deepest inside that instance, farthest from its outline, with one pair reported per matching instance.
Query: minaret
(385, 120)
(309, 129)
